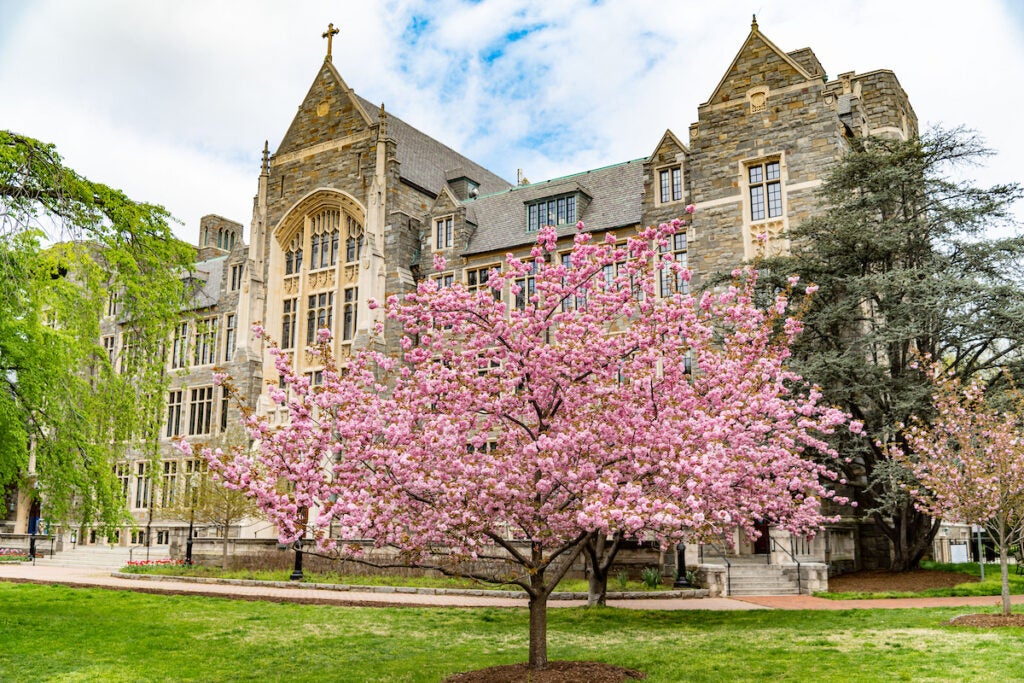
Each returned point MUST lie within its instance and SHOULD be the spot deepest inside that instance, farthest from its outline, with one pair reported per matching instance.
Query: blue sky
(171, 100)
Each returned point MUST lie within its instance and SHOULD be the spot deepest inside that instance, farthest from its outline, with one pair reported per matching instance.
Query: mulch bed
(987, 620)
(878, 581)
(556, 672)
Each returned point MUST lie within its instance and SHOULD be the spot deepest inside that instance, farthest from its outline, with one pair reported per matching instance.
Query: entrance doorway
(763, 542)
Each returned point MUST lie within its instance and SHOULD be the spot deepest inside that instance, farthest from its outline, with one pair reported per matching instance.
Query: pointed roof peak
(753, 39)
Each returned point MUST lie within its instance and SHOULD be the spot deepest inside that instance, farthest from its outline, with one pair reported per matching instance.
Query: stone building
(354, 202)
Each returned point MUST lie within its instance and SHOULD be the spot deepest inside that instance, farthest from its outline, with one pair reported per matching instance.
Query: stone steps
(102, 557)
(757, 578)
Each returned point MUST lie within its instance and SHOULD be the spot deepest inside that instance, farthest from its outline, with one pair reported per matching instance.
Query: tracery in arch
(293, 255)
(354, 240)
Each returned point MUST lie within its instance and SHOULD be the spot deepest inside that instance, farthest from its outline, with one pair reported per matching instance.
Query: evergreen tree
(905, 268)
(68, 248)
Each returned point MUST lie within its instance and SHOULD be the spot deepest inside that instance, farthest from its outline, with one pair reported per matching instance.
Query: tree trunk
(598, 588)
(539, 631)
(601, 558)
(224, 547)
(598, 580)
(1003, 569)
(911, 534)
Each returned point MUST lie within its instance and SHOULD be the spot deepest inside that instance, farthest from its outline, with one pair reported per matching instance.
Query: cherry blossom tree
(969, 462)
(507, 437)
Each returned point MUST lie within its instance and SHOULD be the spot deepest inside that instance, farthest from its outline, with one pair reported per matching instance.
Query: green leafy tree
(203, 499)
(68, 246)
(904, 268)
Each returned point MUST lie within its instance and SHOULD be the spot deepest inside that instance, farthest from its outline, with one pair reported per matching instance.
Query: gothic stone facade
(355, 202)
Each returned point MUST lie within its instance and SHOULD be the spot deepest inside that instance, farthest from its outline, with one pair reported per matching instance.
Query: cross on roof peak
(329, 35)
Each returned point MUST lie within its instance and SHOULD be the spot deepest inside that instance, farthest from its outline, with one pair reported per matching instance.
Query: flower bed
(14, 555)
(156, 563)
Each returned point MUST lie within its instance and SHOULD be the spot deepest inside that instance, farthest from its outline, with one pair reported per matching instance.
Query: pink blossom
(535, 423)
(690, 209)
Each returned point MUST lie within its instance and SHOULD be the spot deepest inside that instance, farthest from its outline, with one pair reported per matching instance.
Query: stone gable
(758, 64)
(329, 111)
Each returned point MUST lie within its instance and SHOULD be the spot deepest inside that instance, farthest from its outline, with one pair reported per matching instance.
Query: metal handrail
(792, 555)
(728, 565)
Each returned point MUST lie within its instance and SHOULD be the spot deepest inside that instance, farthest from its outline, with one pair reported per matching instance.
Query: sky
(171, 100)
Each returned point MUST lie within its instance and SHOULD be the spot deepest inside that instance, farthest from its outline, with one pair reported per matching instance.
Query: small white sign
(958, 553)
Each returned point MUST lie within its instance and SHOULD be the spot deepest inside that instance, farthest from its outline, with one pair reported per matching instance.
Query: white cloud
(171, 101)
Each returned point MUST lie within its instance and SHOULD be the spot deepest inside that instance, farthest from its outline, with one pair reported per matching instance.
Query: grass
(972, 586)
(566, 585)
(57, 633)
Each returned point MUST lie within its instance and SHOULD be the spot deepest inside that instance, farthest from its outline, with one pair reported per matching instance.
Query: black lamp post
(297, 571)
(192, 497)
(681, 580)
(188, 541)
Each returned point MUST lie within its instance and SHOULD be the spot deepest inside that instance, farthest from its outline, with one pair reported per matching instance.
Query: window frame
(669, 184)
(143, 489)
(474, 272)
(237, 272)
(666, 287)
(444, 232)
(319, 314)
(230, 336)
(350, 314)
(175, 403)
(564, 207)
(200, 410)
(205, 349)
(765, 196)
(289, 321)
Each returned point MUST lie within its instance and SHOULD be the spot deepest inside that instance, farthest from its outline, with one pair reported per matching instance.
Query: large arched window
(320, 290)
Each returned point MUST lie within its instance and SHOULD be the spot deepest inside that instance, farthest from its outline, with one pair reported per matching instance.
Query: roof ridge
(560, 178)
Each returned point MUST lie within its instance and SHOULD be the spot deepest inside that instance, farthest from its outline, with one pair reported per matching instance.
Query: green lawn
(56, 633)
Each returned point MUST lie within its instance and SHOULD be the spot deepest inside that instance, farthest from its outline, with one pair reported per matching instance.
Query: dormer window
(444, 232)
(551, 211)
(670, 185)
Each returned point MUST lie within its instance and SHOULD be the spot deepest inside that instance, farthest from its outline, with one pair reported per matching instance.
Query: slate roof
(210, 273)
(615, 196)
(425, 162)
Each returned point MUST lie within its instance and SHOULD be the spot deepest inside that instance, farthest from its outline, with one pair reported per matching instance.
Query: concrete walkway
(98, 578)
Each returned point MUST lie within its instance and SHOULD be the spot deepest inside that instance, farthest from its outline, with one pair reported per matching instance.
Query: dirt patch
(879, 581)
(556, 672)
(987, 620)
